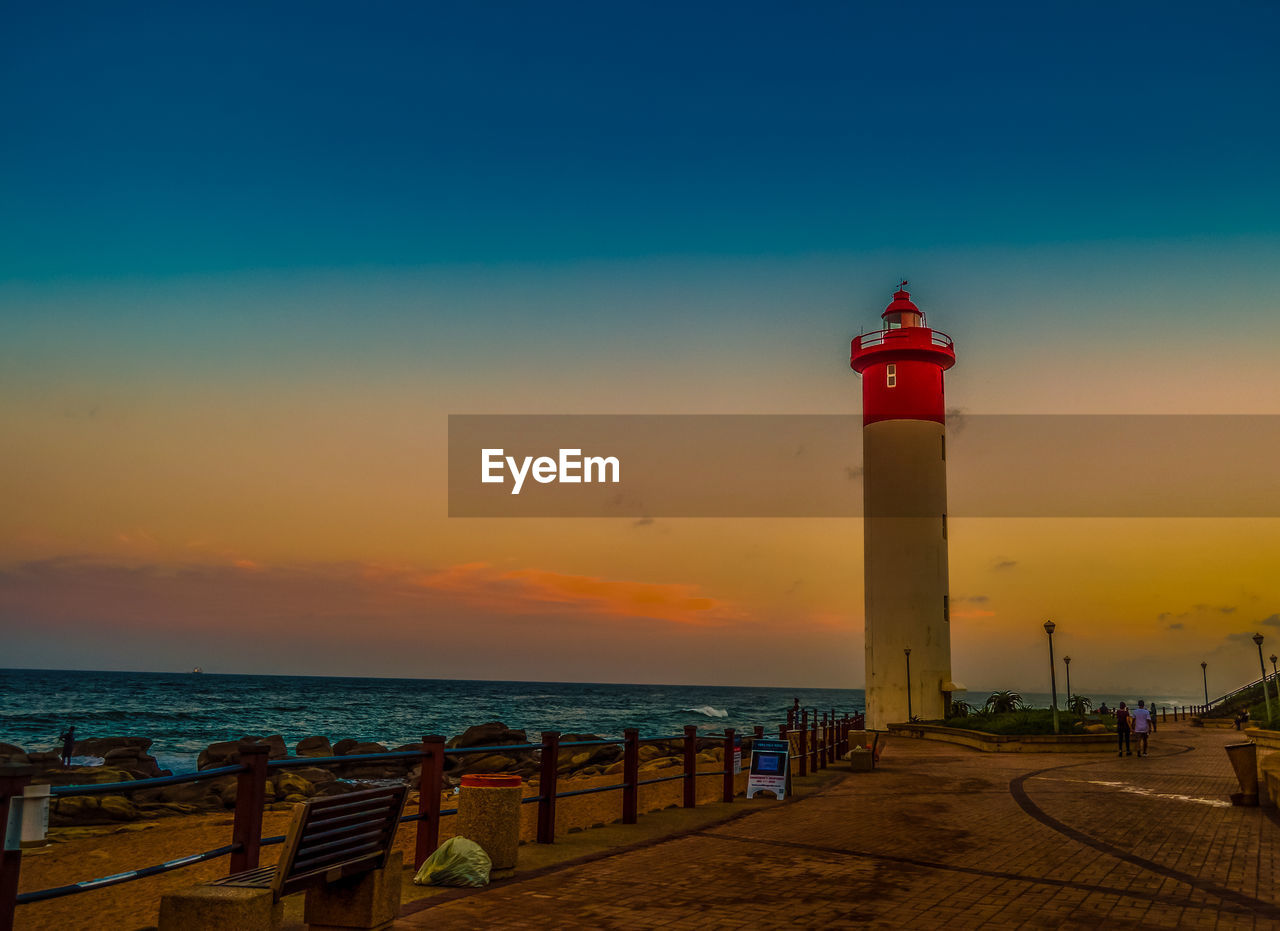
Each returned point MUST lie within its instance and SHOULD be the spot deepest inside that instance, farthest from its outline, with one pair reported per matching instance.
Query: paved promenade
(939, 837)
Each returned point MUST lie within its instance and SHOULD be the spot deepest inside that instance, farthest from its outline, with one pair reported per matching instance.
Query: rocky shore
(126, 759)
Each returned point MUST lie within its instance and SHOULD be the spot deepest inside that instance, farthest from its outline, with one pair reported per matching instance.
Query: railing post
(759, 732)
(630, 775)
(548, 787)
(1164, 714)
(813, 764)
(690, 765)
(804, 742)
(13, 781)
(728, 764)
(430, 784)
(251, 792)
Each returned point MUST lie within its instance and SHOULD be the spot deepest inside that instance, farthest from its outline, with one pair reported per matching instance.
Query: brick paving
(940, 836)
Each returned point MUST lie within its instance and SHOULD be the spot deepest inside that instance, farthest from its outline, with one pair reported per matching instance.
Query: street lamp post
(1049, 627)
(1204, 671)
(1066, 661)
(906, 651)
(1257, 638)
(1274, 683)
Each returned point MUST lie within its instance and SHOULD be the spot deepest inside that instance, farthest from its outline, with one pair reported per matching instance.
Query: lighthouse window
(946, 607)
(891, 376)
(944, 526)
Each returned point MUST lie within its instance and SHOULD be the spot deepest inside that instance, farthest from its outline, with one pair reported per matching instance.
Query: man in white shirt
(1141, 726)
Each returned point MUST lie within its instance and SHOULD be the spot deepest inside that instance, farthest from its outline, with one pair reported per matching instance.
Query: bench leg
(369, 901)
(220, 908)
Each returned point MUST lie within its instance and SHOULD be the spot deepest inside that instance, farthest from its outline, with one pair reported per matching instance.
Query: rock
(203, 794)
(10, 753)
(614, 768)
(489, 734)
(84, 776)
(336, 788)
(277, 751)
(118, 808)
(652, 752)
(133, 759)
(222, 753)
(316, 775)
(490, 763)
(293, 799)
(154, 809)
(366, 748)
(75, 809)
(290, 783)
(1095, 728)
(227, 752)
(227, 795)
(707, 757)
(665, 762)
(44, 760)
(344, 746)
(313, 746)
(572, 758)
(101, 746)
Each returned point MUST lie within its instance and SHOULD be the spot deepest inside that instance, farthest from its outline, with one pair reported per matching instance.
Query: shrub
(1004, 702)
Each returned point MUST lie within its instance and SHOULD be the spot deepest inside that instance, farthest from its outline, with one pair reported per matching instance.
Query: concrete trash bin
(1244, 760)
(489, 814)
(860, 760)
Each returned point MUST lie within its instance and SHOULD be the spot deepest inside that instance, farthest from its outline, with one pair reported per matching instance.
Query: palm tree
(1003, 702)
(960, 709)
(1078, 704)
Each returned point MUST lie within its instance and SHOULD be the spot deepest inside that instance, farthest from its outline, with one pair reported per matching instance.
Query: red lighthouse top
(902, 365)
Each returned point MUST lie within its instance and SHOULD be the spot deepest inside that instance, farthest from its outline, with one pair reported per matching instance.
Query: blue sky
(174, 139)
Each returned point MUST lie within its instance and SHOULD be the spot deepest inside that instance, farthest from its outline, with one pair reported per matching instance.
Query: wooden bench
(338, 849)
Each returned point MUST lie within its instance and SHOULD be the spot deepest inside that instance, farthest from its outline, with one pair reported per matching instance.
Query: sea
(183, 713)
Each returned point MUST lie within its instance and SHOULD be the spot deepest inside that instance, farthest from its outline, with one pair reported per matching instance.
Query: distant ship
(197, 670)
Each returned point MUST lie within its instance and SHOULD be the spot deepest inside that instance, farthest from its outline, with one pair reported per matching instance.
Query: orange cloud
(525, 590)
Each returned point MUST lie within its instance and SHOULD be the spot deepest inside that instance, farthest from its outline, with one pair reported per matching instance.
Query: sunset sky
(251, 259)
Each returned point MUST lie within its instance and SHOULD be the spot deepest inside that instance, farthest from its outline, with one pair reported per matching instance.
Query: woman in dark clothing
(1122, 730)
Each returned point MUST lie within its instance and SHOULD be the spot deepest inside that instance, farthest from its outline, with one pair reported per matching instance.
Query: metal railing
(879, 337)
(820, 747)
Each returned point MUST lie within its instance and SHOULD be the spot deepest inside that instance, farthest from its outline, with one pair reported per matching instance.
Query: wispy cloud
(531, 589)
(1005, 564)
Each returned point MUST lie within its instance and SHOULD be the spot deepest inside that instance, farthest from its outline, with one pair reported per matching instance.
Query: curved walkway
(941, 836)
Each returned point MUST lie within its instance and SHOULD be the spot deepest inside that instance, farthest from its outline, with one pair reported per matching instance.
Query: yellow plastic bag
(456, 862)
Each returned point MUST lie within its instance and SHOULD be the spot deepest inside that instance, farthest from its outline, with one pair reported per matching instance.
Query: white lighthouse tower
(908, 611)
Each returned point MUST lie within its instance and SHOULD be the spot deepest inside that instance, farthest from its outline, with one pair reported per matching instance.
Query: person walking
(68, 738)
(1122, 731)
(1141, 726)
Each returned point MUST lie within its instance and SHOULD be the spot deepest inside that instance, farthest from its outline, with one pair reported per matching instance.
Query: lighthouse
(904, 455)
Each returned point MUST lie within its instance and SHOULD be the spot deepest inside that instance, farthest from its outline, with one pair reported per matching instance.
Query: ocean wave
(708, 711)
